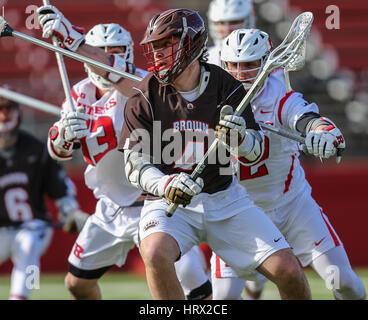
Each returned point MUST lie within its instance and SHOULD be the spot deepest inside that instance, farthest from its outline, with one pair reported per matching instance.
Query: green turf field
(133, 287)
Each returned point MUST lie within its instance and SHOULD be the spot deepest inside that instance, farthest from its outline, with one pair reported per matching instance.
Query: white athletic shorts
(106, 237)
(26, 243)
(305, 227)
(238, 231)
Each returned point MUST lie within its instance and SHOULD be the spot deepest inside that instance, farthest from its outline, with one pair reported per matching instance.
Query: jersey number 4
(256, 171)
(192, 154)
(95, 149)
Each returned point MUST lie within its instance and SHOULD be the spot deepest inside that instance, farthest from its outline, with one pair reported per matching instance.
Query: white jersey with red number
(277, 177)
(214, 55)
(105, 171)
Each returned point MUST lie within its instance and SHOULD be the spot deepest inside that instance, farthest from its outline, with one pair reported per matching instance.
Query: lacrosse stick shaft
(75, 56)
(282, 133)
(26, 100)
(287, 81)
(62, 71)
(7, 31)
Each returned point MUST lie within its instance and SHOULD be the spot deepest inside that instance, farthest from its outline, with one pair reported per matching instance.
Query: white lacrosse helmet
(109, 35)
(245, 45)
(227, 11)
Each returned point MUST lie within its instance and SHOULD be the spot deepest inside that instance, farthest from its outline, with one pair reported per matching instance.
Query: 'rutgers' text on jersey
(154, 103)
(105, 171)
(278, 176)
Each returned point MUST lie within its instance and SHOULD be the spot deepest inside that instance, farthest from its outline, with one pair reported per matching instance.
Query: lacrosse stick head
(5, 29)
(290, 54)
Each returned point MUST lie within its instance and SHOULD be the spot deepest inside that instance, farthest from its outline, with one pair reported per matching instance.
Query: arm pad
(140, 171)
(252, 147)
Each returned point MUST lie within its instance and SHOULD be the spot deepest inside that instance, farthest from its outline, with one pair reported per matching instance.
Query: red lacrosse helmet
(178, 25)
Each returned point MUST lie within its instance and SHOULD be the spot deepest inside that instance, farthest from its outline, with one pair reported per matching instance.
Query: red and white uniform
(277, 182)
(99, 146)
(278, 177)
(113, 222)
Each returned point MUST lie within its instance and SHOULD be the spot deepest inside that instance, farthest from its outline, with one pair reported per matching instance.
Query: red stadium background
(339, 189)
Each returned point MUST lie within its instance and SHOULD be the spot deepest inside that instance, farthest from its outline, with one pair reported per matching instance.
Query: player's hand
(56, 137)
(75, 221)
(230, 125)
(324, 142)
(75, 124)
(119, 63)
(180, 188)
(54, 23)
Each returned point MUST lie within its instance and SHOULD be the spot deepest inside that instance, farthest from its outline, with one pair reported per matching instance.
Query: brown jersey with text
(176, 133)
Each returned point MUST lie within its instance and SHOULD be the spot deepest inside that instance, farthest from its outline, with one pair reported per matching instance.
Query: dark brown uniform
(154, 103)
(25, 178)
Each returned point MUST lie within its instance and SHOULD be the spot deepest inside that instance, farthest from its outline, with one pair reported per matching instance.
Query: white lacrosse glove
(75, 124)
(119, 63)
(60, 149)
(230, 123)
(324, 142)
(75, 221)
(247, 143)
(179, 188)
(54, 23)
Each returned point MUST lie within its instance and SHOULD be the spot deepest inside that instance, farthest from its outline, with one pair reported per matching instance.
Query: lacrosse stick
(279, 57)
(283, 133)
(298, 62)
(34, 103)
(62, 71)
(7, 31)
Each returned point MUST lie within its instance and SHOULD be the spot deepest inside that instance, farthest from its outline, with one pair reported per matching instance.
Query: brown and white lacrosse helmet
(183, 25)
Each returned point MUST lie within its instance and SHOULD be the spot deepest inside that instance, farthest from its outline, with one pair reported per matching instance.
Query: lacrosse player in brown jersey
(186, 97)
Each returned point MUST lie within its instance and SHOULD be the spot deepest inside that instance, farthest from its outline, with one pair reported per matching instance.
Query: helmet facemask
(99, 81)
(10, 119)
(106, 36)
(240, 73)
(179, 55)
(173, 40)
(245, 46)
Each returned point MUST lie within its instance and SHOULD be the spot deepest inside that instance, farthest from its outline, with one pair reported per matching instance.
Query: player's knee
(348, 286)
(286, 269)
(202, 292)
(78, 286)
(159, 250)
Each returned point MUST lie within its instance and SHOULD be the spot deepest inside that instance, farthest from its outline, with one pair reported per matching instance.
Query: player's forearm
(141, 172)
(125, 86)
(97, 54)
